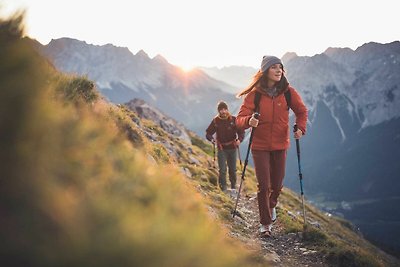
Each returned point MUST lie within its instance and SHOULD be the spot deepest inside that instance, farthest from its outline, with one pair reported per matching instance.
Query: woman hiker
(228, 138)
(270, 95)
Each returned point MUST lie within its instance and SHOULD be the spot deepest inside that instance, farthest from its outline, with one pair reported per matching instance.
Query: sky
(209, 33)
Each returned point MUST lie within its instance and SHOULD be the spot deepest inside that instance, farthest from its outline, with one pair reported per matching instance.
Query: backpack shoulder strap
(257, 98)
(215, 122)
(288, 98)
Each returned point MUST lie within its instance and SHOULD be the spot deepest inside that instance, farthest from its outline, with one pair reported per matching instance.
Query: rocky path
(281, 249)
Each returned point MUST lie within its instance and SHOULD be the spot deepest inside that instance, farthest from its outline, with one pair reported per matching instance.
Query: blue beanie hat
(268, 61)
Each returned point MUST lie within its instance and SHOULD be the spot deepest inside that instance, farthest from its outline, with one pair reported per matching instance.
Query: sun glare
(187, 68)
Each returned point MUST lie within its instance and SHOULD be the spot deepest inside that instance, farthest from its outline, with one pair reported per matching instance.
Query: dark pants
(227, 156)
(270, 171)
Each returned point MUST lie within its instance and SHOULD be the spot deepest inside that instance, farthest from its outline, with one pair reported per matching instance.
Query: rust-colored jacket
(226, 130)
(272, 132)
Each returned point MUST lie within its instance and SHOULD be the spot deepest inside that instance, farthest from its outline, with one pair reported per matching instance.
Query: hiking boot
(265, 230)
(273, 215)
(233, 193)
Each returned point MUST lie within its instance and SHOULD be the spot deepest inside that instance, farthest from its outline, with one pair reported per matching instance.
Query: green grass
(126, 121)
(160, 154)
(334, 238)
(345, 257)
(206, 146)
(78, 191)
(336, 252)
(314, 236)
(292, 225)
(76, 88)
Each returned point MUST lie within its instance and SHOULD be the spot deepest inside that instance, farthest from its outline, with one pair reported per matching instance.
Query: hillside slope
(77, 186)
(325, 241)
(85, 182)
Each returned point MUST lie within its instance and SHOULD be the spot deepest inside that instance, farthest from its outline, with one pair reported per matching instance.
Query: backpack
(257, 98)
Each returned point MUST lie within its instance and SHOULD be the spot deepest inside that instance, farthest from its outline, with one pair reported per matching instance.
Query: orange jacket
(272, 132)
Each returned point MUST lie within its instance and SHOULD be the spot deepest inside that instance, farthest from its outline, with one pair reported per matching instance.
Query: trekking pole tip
(236, 213)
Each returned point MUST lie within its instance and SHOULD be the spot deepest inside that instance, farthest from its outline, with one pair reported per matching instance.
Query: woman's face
(274, 73)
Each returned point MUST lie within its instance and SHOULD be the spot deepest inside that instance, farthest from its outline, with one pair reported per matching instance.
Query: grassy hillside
(336, 239)
(77, 187)
(88, 183)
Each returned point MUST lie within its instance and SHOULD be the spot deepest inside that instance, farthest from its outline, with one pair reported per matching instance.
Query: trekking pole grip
(295, 128)
(256, 115)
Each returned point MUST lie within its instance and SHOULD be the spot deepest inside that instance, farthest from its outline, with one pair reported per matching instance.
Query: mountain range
(352, 147)
(188, 97)
(350, 152)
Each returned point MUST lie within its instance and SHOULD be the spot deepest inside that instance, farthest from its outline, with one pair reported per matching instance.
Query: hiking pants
(270, 170)
(227, 156)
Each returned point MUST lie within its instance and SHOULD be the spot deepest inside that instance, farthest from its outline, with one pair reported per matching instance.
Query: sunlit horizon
(187, 68)
(209, 33)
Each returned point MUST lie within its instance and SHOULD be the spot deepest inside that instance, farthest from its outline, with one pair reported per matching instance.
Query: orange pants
(270, 171)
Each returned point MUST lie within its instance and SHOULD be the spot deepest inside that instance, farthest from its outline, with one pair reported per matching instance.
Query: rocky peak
(143, 56)
(288, 56)
(160, 59)
(339, 54)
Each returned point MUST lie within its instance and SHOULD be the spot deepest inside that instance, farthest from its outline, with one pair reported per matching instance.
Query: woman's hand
(253, 122)
(298, 134)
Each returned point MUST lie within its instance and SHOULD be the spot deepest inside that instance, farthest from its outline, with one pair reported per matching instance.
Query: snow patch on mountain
(368, 77)
(338, 124)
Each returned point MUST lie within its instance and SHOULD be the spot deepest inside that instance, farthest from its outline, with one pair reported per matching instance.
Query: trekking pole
(240, 159)
(256, 115)
(300, 174)
(213, 154)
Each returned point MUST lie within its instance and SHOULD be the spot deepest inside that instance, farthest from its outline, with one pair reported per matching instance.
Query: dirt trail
(281, 249)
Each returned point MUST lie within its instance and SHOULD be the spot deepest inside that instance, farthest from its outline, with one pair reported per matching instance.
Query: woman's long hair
(261, 79)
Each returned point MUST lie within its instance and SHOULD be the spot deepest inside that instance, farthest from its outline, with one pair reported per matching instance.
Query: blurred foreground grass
(74, 191)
